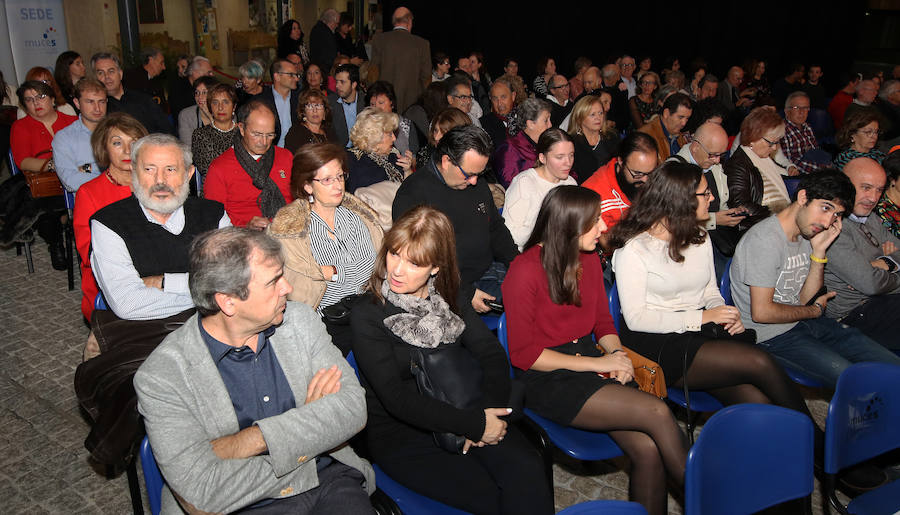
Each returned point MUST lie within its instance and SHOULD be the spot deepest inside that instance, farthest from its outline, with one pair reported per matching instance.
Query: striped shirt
(349, 248)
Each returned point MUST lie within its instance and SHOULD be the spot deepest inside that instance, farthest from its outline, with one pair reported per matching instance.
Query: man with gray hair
(148, 76)
(799, 143)
(271, 402)
(182, 92)
(322, 43)
(108, 69)
(866, 93)
(140, 244)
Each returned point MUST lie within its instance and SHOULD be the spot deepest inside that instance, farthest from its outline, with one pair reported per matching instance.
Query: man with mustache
(863, 262)
(140, 244)
(139, 256)
(777, 283)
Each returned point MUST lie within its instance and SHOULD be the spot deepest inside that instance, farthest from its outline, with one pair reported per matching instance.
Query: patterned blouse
(208, 143)
(890, 215)
(645, 109)
(848, 155)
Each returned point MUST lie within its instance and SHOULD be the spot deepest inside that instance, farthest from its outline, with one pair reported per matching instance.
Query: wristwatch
(892, 267)
(821, 308)
(333, 273)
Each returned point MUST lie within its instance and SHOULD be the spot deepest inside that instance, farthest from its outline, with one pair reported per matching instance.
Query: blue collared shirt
(283, 106)
(255, 381)
(73, 156)
(674, 147)
(349, 114)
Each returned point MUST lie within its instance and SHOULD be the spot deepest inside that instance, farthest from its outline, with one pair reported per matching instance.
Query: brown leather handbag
(44, 183)
(647, 373)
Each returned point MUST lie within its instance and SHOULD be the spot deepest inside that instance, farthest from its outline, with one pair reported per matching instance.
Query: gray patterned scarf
(427, 322)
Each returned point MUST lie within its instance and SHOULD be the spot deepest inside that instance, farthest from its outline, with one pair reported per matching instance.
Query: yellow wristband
(818, 259)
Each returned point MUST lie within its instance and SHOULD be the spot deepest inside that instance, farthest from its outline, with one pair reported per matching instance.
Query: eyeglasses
(772, 143)
(635, 175)
(707, 194)
(34, 99)
(869, 236)
(464, 97)
(799, 108)
(870, 132)
(200, 92)
(628, 65)
(328, 181)
(314, 107)
(564, 85)
(716, 155)
(648, 83)
(466, 175)
(291, 74)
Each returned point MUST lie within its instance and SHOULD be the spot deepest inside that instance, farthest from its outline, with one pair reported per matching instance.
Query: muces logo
(48, 36)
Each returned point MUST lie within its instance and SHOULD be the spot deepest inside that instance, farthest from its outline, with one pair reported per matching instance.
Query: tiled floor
(43, 463)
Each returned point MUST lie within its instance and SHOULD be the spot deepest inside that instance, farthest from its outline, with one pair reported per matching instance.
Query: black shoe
(57, 256)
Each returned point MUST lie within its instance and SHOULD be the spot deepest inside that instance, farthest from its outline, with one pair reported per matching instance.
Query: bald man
(863, 262)
(708, 148)
(402, 59)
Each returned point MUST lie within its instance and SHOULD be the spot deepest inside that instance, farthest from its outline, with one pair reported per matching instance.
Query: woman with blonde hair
(413, 303)
(373, 158)
(595, 142)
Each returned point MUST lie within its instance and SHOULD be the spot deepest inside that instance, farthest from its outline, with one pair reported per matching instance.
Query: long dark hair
(670, 197)
(61, 72)
(567, 212)
(429, 239)
(286, 45)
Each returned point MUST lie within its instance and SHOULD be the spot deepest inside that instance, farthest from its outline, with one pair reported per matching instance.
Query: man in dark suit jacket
(322, 44)
(285, 79)
(402, 59)
(108, 70)
(347, 103)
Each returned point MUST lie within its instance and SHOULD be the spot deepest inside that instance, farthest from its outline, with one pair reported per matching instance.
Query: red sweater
(228, 183)
(535, 323)
(29, 137)
(97, 193)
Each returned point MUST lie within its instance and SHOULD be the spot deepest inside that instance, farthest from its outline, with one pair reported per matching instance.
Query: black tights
(645, 429)
(737, 373)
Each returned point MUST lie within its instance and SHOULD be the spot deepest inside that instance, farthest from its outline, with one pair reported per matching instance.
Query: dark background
(840, 36)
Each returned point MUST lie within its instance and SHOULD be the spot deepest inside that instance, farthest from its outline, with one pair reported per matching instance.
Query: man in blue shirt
(249, 403)
(72, 152)
(347, 103)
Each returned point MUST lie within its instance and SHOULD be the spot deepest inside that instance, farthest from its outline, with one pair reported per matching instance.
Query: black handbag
(714, 330)
(339, 312)
(448, 373)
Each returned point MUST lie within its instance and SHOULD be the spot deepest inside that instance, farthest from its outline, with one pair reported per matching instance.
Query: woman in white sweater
(672, 311)
(556, 154)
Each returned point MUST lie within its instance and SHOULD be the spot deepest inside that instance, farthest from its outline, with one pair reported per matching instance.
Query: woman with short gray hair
(518, 152)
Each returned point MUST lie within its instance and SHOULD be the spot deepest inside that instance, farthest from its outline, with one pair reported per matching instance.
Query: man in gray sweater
(864, 261)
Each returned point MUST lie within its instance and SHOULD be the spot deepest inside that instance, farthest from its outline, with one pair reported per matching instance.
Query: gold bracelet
(818, 259)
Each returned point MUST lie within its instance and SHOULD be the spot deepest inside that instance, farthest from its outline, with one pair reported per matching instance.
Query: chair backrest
(153, 480)
(13, 169)
(863, 415)
(749, 457)
(604, 508)
(615, 309)
(725, 284)
(504, 339)
(792, 184)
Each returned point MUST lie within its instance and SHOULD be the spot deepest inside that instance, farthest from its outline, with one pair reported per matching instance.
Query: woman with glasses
(672, 311)
(754, 178)
(517, 152)
(373, 158)
(208, 142)
(30, 141)
(440, 67)
(197, 115)
(329, 237)
(315, 121)
(858, 136)
(641, 106)
(595, 142)
(41, 74)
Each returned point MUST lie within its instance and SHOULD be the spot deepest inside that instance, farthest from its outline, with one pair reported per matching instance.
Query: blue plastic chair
(863, 422)
(700, 401)
(581, 445)
(605, 508)
(749, 457)
(792, 184)
(14, 170)
(407, 501)
(795, 375)
(492, 321)
(153, 479)
(100, 302)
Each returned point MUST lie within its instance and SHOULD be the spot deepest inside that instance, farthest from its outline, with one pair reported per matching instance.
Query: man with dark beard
(618, 181)
(140, 247)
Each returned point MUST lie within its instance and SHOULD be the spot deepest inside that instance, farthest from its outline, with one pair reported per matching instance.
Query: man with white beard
(140, 244)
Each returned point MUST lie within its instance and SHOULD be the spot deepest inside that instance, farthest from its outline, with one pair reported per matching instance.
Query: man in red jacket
(253, 178)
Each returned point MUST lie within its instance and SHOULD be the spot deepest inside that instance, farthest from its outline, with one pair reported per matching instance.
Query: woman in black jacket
(412, 302)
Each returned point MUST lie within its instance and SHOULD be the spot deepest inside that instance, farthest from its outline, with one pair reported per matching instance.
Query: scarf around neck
(427, 322)
(270, 199)
(393, 172)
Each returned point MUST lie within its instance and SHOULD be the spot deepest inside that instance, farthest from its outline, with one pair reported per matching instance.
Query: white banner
(37, 33)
